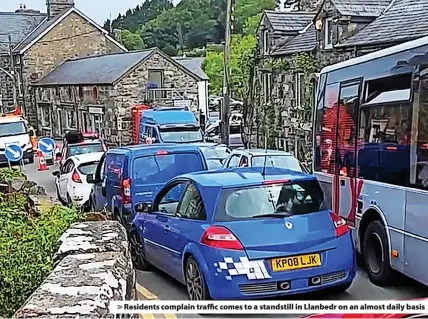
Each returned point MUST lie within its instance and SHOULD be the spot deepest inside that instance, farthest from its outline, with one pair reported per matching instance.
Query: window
(71, 119)
(267, 85)
(114, 167)
(234, 161)
(328, 34)
(70, 93)
(13, 128)
(85, 148)
(299, 88)
(244, 161)
(385, 131)
(46, 116)
(88, 168)
(326, 130)
(101, 171)
(159, 169)
(68, 167)
(192, 204)
(235, 129)
(81, 95)
(419, 168)
(95, 94)
(298, 198)
(346, 141)
(265, 41)
(280, 161)
(181, 135)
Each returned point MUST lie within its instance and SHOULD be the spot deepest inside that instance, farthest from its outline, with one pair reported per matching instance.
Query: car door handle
(166, 228)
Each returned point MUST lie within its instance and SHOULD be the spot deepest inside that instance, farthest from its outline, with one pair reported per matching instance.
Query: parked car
(212, 134)
(132, 174)
(261, 157)
(239, 234)
(76, 143)
(70, 180)
(215, 154)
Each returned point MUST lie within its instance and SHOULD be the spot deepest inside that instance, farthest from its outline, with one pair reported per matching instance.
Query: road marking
(145, 292)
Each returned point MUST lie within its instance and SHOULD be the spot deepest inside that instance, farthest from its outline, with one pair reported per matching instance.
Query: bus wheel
(376, 254)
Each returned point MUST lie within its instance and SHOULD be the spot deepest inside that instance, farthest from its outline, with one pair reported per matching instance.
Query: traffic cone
(42, 163)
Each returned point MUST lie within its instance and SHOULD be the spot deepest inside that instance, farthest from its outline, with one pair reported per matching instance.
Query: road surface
(154, 284)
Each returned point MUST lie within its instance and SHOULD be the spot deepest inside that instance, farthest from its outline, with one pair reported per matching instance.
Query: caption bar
(268, 307)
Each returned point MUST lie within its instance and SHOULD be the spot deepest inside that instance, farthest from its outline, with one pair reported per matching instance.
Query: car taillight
(277, 181)
(126, 188)
(161, 153)
(340, 225)
(76, 177)
(221, 238)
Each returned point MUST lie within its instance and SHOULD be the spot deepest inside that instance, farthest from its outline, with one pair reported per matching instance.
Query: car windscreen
(13, 128)
(279, 161)
(279, 200)
(88, 168)
(84, 148)
(235, 129)
(181, 135)
(160, 169)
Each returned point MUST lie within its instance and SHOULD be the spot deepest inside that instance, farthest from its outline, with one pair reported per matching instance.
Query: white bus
(371, 155)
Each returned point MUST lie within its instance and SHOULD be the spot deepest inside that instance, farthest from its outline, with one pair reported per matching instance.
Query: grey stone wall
(93, 267)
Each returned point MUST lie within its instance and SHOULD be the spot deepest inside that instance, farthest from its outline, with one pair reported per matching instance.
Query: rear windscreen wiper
(272, 215)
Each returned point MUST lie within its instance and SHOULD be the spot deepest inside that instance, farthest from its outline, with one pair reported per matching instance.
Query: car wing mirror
(143, 208)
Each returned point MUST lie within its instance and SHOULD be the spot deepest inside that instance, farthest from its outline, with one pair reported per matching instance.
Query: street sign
(13, 153)
(46, 145)
(182, 103)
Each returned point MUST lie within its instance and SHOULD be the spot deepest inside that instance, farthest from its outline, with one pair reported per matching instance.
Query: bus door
(344, 184)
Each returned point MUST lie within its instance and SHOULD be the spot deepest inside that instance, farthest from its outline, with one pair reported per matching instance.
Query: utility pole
(225, 107)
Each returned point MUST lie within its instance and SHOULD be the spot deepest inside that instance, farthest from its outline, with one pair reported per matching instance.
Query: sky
(98, 10)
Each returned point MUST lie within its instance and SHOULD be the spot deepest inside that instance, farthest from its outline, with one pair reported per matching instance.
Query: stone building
(337, 31)
(40, 42)
(97, 93)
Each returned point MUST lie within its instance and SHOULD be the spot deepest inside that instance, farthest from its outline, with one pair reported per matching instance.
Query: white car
(70, 181)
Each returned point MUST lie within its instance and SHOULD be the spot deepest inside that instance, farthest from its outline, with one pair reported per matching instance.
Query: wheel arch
(371, 214)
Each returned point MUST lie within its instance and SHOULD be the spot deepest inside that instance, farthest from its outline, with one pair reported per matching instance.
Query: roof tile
(18, 25)
(404, 20)
(194, 65)
(361, 8)
(289, 21)
(304, 42)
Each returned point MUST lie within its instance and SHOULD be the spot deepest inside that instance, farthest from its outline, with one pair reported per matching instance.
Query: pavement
(156, 285)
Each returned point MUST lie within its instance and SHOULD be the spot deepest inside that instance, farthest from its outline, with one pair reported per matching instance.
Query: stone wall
(92, 267)
(72, 37)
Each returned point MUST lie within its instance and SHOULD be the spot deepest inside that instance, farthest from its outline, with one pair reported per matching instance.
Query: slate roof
(95, 70)
(289, 21)
(361, 8)
(404, 20)
(42, 27)
(306, 41)
(194, 65)
(18, 25)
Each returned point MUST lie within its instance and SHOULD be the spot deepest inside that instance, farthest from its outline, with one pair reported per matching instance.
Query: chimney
(55, 7)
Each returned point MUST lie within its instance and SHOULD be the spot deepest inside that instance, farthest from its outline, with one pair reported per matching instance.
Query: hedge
(26, 246)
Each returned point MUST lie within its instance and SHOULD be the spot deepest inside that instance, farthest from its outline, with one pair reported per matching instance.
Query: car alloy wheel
(138, 255)
(194, 280)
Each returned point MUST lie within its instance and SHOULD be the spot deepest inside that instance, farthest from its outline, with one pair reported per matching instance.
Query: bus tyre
(376, 254)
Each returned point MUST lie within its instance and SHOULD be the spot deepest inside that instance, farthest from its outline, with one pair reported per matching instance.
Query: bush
(7, 173)
(26, 247)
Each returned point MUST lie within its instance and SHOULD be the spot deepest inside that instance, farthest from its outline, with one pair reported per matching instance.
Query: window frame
(265, 41)
(328, 36)
(158, 199)
(230, 160)
(299, 95)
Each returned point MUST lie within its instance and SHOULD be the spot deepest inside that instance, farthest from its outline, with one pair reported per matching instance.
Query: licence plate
(296, 262)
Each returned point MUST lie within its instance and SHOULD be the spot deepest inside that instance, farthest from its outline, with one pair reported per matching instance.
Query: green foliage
(170, 50)
(132, 41)
(26, 246)
(7, 173)
(252, 24)
(245, 9)
(304, 63)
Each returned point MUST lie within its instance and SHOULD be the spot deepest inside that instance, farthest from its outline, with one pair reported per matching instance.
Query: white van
(14, 130)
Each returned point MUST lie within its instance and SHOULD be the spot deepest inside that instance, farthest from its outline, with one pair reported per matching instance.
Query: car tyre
(376, 254)
(195, 282)
(138, 254)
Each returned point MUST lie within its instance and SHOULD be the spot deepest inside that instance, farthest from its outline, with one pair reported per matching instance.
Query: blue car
(245, 233)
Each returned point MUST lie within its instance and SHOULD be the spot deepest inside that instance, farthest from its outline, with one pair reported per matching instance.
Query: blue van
(169, 125)
(127, 176)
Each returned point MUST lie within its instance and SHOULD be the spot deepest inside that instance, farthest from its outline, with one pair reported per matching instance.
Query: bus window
(346, 135)
(319, 111)
(419, 171)
(327, 116)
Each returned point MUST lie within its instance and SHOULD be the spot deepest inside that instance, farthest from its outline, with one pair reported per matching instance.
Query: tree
(132, 41)
(246, 9)
(170, 50)
(292, 4)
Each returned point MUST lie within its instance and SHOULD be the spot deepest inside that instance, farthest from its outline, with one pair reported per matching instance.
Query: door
(98, 196)
(344, 183)
(85, 122)
(157, 229)
(95, 123)
(66, 171)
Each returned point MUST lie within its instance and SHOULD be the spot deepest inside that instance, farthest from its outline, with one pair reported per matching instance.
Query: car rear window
(88, 168)
(288, 199)
(279, 161)
(84, 148)
(161, 168)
